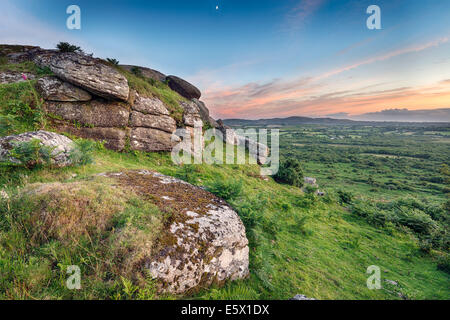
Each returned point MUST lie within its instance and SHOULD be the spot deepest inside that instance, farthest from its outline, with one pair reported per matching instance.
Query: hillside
(117, 214)
(294, 121)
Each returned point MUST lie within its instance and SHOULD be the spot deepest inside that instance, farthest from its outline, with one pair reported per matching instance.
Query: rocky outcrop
(19, 53)
(151, 140)
(12, 77)
(82, 99)
(61, 146)
(146, 72)
(205, 241)
(184, 88)
(88, 73)
(95, 113)
(53, 89)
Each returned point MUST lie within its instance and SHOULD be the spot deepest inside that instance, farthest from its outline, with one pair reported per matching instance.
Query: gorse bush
(290, 172)
(67, 47)
(226, 189)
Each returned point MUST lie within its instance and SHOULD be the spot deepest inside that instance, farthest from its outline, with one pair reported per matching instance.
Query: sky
(263, 59)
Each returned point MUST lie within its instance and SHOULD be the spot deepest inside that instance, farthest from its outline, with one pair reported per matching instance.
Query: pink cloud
(313, 96)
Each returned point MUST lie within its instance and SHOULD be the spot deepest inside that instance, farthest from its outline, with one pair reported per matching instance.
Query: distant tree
(290, 172)
(67, 47)
(113, 61)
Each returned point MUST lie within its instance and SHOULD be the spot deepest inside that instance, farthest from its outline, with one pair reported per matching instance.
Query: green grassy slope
(325, 256)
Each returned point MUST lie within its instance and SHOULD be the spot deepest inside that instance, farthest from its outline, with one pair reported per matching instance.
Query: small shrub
(310, 189)
(345, 197)
(67, 47)
(113, 61)
(290, 172)
(30, 153)
(444, 263)
(83, 152)
(226, 189)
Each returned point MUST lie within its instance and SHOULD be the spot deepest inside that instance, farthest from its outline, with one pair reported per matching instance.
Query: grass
(324, 256)
(23, 104)
(24, 67)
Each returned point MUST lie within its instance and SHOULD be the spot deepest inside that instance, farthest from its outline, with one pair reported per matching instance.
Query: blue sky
(258, 59)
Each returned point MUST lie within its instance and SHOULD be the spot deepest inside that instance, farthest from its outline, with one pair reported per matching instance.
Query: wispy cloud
(301, 12)
(315, 96)
(383, 57)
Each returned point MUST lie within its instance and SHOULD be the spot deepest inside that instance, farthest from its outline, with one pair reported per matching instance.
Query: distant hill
(294, 121)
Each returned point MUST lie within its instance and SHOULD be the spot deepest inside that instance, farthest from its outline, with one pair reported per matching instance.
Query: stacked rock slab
(152, 127)
(87, 99)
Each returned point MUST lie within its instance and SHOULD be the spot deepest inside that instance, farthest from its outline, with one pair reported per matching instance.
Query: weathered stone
(19, 53)
(151, 140)
(61, 145)
(88, 73)
(184, 88)
(191, 114)
(206, 241)
(229, 136)
(147, 72)
(301, 297)
(12, 77)
(257, 150)
(161, 122)
(53, 89)
(149, 105)
(114, 138)
(202, 110)
(95, 113)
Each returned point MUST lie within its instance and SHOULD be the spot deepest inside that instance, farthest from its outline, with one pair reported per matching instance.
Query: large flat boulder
(160, 122)
(53, 89)
(151, 140)
(95, 113)
(204, 242)
(184, 88)
(149, 105)
(61, 145)
(88, 73)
